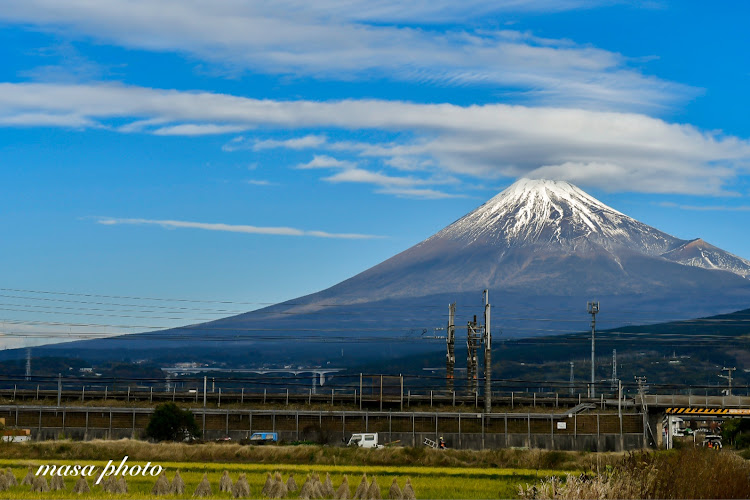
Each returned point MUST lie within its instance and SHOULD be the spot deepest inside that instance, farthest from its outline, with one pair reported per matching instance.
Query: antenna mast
(728, 376)
(487, 355)
(450, 361)
(614, 369)
(593, 308)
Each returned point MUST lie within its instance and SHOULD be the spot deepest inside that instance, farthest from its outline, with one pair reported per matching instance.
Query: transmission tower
(728, 376)
(473, 336)
(450, 361)
(614, 369)
(593, 309)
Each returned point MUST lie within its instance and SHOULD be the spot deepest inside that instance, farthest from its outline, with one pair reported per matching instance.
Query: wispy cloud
(189, 129)
(404, 187)
(707, 208)
(356, 40)
(325, 161)
(418, 193)
(234, 228)
(260, 182)
(614, 151)
(305, 142)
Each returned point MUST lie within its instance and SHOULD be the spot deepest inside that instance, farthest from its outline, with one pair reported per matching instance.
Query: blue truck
(264, 438)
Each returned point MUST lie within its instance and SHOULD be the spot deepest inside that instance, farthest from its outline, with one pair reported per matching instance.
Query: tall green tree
(171, 423)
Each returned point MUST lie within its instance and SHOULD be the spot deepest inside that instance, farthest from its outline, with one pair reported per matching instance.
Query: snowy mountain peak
(531, 193)
(698, 253)
(554, 213)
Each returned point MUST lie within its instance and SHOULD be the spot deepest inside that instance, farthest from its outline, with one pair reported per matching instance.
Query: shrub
(170, 423)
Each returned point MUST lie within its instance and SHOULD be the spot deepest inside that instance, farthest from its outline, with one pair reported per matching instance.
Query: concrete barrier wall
(583, 432)
(581, 442)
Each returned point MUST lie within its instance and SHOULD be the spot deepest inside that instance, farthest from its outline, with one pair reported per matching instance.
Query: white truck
(365, 440)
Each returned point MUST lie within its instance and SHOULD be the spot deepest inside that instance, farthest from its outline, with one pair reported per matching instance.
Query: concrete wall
(585, 431)
(581, 442)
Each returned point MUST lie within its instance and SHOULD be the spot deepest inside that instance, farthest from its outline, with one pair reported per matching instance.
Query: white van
(366, 440)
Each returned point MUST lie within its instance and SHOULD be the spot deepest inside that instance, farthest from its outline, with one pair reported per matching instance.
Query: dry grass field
(309, 454)
(685, 473)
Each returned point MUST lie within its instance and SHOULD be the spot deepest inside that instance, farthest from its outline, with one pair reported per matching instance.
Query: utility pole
(593, 309)
(59, 389)
(729, 378)
(614, 369)
(572, 385)
(28, 363)
(450, 361)
(487, 355)
(644, 409)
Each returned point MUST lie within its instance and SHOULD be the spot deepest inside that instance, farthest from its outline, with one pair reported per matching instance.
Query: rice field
(428, 482)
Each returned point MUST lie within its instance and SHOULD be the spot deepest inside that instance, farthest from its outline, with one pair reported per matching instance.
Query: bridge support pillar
(655, 420)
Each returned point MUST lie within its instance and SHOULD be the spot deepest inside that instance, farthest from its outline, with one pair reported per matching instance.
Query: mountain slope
(543, 248)
(698, 253)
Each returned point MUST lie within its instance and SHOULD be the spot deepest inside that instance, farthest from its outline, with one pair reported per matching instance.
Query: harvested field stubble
(429, 482)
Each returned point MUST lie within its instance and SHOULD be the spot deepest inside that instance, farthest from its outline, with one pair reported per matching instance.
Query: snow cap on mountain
(548, 212)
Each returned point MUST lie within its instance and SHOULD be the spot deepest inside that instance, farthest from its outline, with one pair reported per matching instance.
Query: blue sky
(252, 153)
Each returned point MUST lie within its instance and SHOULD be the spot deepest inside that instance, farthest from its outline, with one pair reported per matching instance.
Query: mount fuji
(543, 248)
(549, 238)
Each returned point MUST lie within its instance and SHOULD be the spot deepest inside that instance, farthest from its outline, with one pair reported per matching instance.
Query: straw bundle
(178, 485)
(81, 486)
(241, 488)
(343, 492)
(395, 492)
(204, 488)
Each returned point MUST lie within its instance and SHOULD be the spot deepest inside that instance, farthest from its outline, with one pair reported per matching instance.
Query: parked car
(264, 438)
(365, 440)
(713, 441)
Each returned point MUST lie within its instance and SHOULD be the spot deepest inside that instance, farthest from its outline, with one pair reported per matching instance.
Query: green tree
(170, 423)
(736, 431)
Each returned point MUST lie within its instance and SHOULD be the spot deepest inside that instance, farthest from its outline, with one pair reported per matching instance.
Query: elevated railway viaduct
(547, 421)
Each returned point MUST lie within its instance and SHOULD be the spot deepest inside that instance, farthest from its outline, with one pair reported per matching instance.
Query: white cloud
(189, 129)
(233, 228)
(325, 161)
(404, 187)
(305, 142)
(260, 182)
(356, 40)
(425, 194)
(45, 120)
(615, 151)
(365, 176)
(707, 208)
